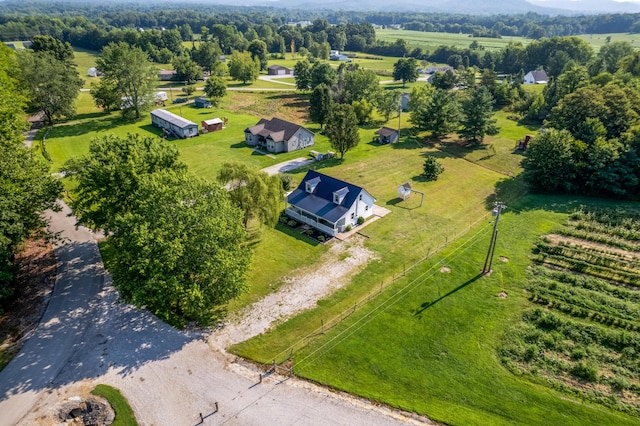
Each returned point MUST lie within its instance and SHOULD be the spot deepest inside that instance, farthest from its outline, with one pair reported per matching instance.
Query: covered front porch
(315, 221)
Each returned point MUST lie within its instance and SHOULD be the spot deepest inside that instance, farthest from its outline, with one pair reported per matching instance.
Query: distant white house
(536, 77)
(92, 72)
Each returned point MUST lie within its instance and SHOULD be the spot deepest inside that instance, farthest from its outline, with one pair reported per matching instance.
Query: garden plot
(582, 333)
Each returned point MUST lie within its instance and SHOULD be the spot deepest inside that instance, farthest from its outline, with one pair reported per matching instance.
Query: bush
(360, 220)
(321, 238)
(585, 371)
(292, 223)
(348, 228)
(432, 168)
(286, 181)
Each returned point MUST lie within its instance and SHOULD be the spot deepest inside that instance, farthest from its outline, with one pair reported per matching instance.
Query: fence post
(322, 322)
(201, 418)
(260, 379)
(216, 406)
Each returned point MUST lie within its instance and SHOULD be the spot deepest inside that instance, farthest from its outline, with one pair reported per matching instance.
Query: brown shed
(212, 125)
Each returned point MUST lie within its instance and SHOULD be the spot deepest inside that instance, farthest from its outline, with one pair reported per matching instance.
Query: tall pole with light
(498, 207)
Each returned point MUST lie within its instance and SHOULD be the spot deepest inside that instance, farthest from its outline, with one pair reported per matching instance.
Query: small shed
(387, 135)
(212, 125)
(202, 103)
(92, 72)
(404, 190)
(166, 75)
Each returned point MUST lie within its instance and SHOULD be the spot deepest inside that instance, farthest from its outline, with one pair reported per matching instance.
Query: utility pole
(498, 207)
(399, 115)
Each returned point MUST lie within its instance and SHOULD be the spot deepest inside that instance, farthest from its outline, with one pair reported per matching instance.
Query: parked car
(179, 100)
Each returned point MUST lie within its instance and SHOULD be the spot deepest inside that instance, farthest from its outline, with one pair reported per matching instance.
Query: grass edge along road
(434, 349)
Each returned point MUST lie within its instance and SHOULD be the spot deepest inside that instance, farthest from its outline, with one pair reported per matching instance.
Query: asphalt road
(87, 336)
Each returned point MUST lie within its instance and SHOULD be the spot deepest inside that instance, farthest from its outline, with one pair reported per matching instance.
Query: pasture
(430, 40)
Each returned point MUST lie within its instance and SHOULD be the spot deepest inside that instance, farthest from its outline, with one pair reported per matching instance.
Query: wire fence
(283, 362)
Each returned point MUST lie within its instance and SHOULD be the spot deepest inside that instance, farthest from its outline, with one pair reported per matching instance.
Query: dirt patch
(557, 239)
(503, 259)
(31, 289)
(445, 270)
(287, 106)
(301, 291)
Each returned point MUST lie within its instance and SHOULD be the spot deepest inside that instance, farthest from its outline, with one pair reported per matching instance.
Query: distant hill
(590, 6)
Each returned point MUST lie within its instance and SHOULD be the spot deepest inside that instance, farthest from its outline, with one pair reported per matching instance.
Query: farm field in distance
(431, 335)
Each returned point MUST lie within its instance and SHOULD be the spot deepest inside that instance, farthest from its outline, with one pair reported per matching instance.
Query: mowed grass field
(428, 343)
(431, 40)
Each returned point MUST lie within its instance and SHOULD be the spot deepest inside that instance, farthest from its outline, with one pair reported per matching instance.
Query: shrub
(360, 220)
(432, 168)
(585, 371)
(620, 383)
(292, 223)
(321, 238)
(348, 228)
(286, 181)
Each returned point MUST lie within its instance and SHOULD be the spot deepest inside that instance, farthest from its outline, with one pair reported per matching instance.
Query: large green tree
(207, 55)
(27, 188)
(216, 89)
(440, 114)
(105, 95)
(302, 73)
(131, 73)
(181, 248)
(320, 104)
(186, 69)
(109, 176)
(322, 73)
(62, 51)
(255, 193)
(405, 70)
(387, 102)
(360, 84)
(258, 50)
(243, 67)
(52, 84)
(477, 116)
(342, 128)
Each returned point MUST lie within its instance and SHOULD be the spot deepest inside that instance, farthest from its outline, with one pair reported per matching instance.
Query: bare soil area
(557, 239)
(32, 286)
(301, 291)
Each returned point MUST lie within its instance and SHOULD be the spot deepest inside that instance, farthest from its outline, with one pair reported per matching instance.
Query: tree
(186, 69)
(405, 69)
(207, 56)
(388, 101)
(363, 110)
(243, 67)
(52, 84)
(611, 53)
(440, 114)
(182, 269)
(432, 168)
(342, 128)
(258, 49)
(216, 89)
(477, 116)
(129, 70)
(105, 95)
(552, 161)
(322, 73)
(444, 80)
(302, 73)
(27, 188)
(109, 176)
(254, 192)
(360, 84)
(61, 51)
(320, 104)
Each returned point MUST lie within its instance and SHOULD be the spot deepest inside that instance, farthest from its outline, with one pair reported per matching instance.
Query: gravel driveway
(169, 377)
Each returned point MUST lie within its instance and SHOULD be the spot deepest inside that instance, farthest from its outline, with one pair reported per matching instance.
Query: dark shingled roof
(279, 130)
(320, 202)
(539, 75)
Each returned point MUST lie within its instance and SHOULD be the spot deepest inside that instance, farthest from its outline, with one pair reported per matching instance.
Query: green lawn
(428, 343)
(123, 413)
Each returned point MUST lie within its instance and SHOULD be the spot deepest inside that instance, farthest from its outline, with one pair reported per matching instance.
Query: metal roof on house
(386, 131)
(170, 117)
(320, 202)
(212, 121)
(539, 75)
(278, 67)
(273, 128)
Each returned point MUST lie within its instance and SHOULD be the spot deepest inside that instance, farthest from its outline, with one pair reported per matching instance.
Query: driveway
(170, 377)
(286, 166)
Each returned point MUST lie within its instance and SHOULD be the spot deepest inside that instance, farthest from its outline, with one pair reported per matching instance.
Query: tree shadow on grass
(426, 305)
(92, 126)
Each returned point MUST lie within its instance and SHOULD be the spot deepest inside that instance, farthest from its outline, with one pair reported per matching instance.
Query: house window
(336, 198)
(353, 215)
(366, 208)
(360, 197)
(309, 187)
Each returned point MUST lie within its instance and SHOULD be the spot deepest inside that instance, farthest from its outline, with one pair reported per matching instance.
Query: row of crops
(581, 333)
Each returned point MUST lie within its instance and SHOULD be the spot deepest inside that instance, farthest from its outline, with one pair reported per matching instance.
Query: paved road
(87, 336)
